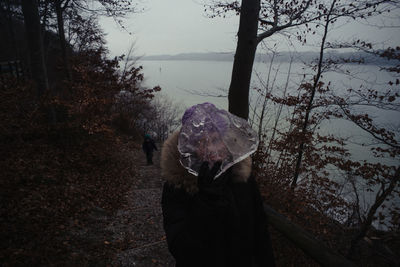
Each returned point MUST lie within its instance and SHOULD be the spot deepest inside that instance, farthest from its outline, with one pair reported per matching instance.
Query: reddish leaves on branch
(56, 173)
(92, 97)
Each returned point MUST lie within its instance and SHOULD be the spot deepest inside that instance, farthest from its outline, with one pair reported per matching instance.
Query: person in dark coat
(211, 222)
(148, 147)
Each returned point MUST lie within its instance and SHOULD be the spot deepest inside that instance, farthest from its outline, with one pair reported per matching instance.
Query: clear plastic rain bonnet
(211, 134)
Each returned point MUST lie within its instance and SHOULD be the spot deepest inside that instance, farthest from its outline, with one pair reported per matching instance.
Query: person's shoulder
(241, 171)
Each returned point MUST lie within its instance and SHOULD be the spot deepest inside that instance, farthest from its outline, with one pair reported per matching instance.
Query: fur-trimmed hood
(173, 172)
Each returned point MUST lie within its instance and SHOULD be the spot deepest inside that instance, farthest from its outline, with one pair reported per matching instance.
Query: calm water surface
(180, 79)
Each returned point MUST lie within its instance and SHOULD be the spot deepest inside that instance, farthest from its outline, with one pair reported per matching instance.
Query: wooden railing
(305, 241)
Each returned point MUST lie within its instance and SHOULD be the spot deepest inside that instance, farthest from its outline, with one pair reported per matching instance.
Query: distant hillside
(280, 57)
(214, 56)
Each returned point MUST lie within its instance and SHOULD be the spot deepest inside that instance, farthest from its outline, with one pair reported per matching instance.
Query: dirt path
(139, 221)
(133, 234)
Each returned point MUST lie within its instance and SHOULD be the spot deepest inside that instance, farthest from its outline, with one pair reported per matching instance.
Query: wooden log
(305, 241)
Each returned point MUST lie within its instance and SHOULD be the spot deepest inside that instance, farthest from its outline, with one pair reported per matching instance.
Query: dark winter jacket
(148, 145)
(213, 232)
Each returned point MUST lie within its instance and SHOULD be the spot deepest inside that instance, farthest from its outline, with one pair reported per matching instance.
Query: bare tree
(72, 8)
(60, 6)
(384, 177)
(258, 20)
(166, 116)
(35, 44)
(315, 85)
(261, 19)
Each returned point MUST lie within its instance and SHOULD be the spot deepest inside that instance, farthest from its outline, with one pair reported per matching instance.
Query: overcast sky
(172, 27)
(181, 26)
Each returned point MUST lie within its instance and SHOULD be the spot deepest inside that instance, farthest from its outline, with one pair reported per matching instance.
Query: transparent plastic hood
(211, 134)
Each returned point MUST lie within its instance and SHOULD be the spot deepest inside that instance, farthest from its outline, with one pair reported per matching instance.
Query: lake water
(191, 82)
(187, 82)
(177, 78)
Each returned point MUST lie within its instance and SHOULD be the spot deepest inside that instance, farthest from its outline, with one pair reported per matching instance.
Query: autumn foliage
(62, 157)
(329, 199)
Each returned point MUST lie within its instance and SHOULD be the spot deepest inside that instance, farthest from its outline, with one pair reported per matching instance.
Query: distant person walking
(148, 147)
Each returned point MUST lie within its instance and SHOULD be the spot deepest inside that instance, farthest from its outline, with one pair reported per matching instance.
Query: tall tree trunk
(278, 115)
(63, 42)
(244, 58)
(43, 25)
(264, 106)
(35, 44)
(11, 30)
(317, 78)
